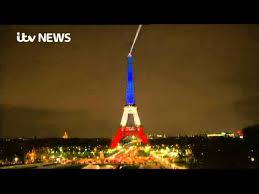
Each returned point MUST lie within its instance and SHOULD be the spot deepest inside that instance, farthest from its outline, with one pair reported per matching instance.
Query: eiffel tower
(130, 122)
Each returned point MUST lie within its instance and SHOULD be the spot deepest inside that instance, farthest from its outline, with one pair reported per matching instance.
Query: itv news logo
(43, 37)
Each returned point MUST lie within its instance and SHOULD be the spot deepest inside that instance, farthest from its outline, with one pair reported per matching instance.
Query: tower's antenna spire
(136, 36)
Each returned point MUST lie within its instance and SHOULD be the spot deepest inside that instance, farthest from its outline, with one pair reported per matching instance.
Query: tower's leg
(117, 138)
(141, 135)
(124, 117)
(136, 117)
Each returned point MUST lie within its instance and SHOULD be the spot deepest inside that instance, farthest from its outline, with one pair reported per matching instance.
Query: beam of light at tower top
(136, 36)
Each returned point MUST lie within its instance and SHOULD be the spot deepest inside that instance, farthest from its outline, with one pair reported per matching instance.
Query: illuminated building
(31, 156)
(236, 134)
(130, 123)
(65, 136)
(222, 134)
(156, 136)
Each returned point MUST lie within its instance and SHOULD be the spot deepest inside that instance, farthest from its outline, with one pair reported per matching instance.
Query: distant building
(65, 136)
(156, 136)
(222, 134)
(31, 156)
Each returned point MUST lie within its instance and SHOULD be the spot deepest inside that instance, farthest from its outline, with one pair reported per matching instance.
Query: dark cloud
(189, 79)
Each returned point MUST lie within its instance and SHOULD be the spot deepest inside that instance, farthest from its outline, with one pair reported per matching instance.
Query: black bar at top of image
(170, 15)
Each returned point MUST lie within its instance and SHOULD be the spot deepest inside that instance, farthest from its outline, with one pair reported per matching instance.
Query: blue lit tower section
(130, 96)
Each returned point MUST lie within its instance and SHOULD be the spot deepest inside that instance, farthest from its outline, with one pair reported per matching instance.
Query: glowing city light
(16, 159)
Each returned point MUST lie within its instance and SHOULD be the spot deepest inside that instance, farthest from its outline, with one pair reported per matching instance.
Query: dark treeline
(217, 152)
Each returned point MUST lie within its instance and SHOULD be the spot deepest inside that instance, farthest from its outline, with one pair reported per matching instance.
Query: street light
(16, 159)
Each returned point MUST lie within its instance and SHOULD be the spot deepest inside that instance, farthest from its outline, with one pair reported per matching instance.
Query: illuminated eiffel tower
(130, 123)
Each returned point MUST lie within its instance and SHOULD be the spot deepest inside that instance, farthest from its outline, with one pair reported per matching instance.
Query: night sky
(189, 79)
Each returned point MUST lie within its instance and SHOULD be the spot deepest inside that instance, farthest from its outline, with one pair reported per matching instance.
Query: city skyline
(190, 79)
